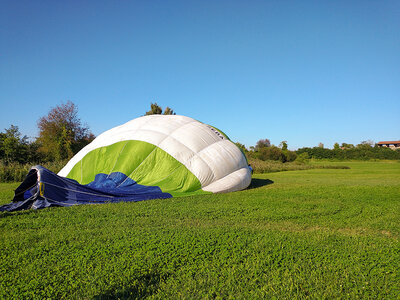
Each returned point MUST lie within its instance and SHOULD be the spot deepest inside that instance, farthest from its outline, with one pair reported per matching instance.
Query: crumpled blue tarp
(42, 188)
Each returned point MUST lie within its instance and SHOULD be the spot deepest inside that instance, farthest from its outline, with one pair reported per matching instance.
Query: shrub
(289, 155)
(272, 153)
(361, 152)
(302, 158)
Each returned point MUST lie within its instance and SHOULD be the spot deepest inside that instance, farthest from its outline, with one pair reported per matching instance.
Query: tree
(13, 146)
(336, 146)
(33, 154)
(2, 137)
(155, 109)
(263, 143)
(61, 133)
(347, 146)
(283, 145)
(365, 144)
(169, 111)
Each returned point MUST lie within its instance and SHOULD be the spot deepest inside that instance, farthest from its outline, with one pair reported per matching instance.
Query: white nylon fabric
(217, 162)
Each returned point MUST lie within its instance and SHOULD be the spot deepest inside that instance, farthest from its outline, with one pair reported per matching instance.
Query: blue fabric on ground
(42, 188)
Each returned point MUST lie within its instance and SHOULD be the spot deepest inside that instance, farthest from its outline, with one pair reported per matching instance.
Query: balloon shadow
(5, 214)
(257, 183)
(145, 286)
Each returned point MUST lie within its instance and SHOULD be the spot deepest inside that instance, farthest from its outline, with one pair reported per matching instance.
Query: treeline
(266, 158)
(366, 150)
(15, 148)
(363, 151)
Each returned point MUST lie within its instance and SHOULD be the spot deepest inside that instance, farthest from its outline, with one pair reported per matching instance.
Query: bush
(271, 153)
(363, 152)
(302, 158)
(276, 154)
(289, 155)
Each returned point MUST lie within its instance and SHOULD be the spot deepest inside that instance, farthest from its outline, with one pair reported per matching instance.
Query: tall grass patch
(13, 171)
(269, 166)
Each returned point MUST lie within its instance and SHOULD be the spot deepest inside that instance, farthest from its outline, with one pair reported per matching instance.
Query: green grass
(320, 233)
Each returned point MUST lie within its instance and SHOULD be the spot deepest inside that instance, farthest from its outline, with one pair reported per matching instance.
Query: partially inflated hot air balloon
(155, 156)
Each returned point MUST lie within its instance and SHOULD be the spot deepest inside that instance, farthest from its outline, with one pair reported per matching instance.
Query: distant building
(390, 144)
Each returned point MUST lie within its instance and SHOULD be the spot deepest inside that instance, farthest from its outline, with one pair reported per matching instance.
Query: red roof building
(390, 144)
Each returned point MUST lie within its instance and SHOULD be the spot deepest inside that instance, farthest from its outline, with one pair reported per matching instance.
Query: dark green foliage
(347, 146)
(15, 149)
(33, 155)
(316, 152)
(271, 153)
(363, 151)
(168, 111)
(13, 146)
(264, 151)
(316, 234)
(155, 109)
(289, 155)
(283, 145)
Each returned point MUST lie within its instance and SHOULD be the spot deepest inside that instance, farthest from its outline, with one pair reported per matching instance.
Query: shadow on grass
(144, 287)
(257, 183)
(4, 214)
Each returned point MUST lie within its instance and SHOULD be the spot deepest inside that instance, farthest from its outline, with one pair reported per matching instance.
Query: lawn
(320, 233)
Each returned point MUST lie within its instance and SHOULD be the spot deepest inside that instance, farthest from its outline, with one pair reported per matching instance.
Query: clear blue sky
(301, 71)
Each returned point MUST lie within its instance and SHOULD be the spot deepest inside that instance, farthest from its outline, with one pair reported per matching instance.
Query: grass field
(321, 233)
